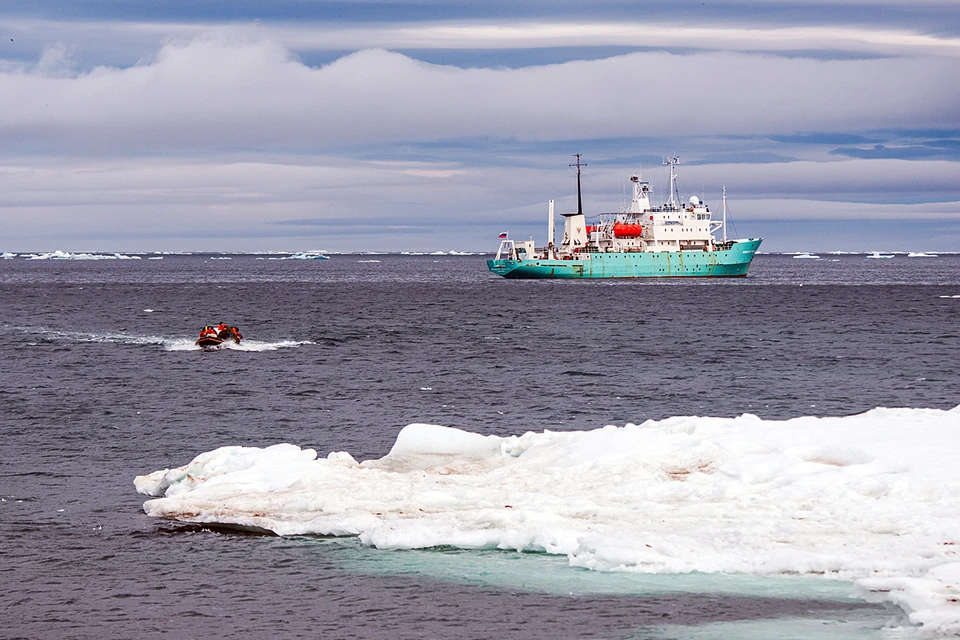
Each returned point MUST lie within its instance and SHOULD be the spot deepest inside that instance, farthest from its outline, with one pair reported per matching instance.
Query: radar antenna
(674, 195)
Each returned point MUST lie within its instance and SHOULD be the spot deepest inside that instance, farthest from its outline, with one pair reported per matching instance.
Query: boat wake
(168, 343)
(189, 344)
(873, 498)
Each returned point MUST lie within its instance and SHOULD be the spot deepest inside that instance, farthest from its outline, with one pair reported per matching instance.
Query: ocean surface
(100, 383)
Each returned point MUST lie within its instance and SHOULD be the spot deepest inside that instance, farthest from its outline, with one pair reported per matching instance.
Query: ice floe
(873, 498)
(65, 255)
(305, 255)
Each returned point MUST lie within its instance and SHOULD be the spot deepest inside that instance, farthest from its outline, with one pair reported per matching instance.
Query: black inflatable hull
(210, 343)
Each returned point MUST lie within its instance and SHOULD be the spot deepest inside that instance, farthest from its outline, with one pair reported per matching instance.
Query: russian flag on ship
(502, 235)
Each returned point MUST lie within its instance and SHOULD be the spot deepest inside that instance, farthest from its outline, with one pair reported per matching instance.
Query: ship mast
(724, 213)
(674, 195)
(551, 227)
(578, 164)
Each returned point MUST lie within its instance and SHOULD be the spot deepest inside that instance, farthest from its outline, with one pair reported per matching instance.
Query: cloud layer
(226, 90)
(303, 202)
(380, 150)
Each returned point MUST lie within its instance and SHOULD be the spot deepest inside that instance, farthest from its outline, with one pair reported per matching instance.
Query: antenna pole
(674, 195)
(578, 164)
(724, 213)
(551, 226)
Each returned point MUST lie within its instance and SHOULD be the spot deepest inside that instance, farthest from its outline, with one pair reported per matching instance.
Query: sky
(424, 125)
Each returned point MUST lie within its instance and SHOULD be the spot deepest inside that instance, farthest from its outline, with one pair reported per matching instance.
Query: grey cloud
(167, 196)
(825, 137)
(225, 90)
(232, 125)
(946, 149)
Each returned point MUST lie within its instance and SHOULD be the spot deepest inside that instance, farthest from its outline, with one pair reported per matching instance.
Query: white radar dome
(694, 200)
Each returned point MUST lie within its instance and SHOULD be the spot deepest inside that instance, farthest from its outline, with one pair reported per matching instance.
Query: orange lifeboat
(625, 230)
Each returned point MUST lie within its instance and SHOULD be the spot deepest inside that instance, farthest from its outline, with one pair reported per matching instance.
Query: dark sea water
(98, 385)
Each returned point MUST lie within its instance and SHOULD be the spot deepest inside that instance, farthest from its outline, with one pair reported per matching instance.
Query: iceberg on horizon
(65, 255)
(306, 255)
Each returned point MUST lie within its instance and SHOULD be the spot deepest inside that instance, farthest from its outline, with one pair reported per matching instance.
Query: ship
(671, 240)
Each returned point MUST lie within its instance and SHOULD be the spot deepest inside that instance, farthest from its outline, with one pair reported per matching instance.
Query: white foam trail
(167, 342)
(189, 344)
(181, 344)
(112, 337)
(873, 497)
(258, 345)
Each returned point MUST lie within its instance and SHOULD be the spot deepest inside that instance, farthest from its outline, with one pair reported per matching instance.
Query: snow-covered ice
(873, 498)
(65, 255)
(305, 255)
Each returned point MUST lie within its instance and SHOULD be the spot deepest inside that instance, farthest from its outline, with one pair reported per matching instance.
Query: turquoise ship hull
(720, 263)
